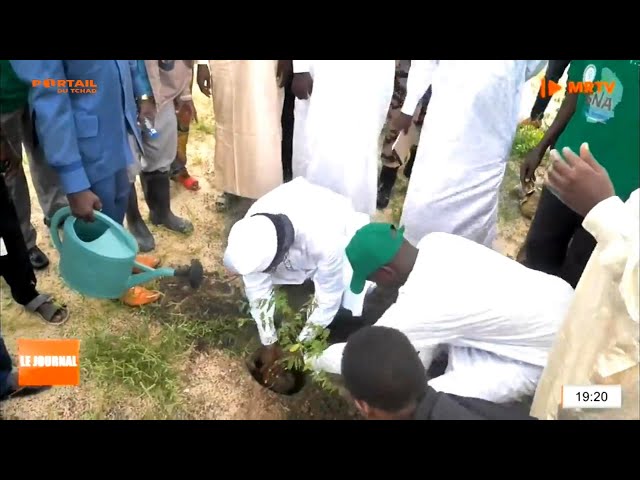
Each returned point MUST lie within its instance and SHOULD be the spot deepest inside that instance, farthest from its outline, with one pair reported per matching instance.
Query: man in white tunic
(296, 232)
(468, 134)
(598, 342)
(338, 124)
(461, 295)
(247, 105)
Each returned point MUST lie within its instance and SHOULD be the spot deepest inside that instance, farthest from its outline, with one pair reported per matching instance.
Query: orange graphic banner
(48, 362)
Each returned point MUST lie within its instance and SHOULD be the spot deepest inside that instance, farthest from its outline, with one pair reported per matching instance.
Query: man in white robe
(598, 342)
(338, 123)
(294, 233)
(468, 134)
(457, 294)
(247, 105)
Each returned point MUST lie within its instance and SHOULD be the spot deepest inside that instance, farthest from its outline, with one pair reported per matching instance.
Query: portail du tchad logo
(48, 362)
(67, 86)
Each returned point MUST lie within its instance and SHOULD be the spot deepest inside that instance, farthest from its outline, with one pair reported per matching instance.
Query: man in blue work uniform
(83, 130)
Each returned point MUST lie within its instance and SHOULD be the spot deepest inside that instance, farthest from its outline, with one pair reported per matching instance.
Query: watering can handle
(56, 222)
(62, 214)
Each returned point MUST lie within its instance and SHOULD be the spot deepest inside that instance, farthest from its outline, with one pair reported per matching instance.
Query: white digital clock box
(592, 396)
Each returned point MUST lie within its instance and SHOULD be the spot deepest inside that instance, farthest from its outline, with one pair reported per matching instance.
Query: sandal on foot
(49, 311)
(221, 203)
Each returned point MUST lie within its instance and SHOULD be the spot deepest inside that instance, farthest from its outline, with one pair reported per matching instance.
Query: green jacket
(14, 93)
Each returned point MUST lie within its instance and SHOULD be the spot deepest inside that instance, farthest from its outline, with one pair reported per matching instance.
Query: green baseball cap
(371, 248)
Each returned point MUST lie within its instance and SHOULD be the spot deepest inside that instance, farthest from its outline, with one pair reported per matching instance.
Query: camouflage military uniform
(390, 157)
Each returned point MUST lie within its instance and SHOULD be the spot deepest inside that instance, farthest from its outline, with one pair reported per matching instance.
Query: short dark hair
(382, 368)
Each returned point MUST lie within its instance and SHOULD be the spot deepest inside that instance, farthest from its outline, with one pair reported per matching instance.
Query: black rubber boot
(136, 224)
(156, 186)
(386, 182)
(409, 166)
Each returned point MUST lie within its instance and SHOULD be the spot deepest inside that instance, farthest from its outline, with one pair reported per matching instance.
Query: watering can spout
(148, 274)
(194, 273)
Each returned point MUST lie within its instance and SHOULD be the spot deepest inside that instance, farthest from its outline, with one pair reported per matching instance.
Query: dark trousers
(557, 243)
(287, 130)
(555, 69)
(5, 367)
(15, 267)
(113, 192)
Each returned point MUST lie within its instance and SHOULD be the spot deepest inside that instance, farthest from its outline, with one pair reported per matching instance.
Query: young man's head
(383, 373)
(379, 253)
(258, 243)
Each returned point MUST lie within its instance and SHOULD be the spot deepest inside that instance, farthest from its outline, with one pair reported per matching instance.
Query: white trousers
(479, 374)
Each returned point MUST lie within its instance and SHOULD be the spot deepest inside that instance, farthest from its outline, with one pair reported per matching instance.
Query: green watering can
(97, 259)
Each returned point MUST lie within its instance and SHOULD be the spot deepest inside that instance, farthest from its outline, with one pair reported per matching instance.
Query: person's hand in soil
(528, 168)
(302, 85)
(403, 122)
(203, 78)
(264, 360)
(579, 181)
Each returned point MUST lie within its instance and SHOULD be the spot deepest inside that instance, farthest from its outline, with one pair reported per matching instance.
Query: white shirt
(464, 294)
(324, 222)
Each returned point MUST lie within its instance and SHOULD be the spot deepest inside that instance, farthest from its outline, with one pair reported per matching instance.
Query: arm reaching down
(329, 283)
(425, 337)
(565, 113)
(203, 77)
(259, 291)
(55, 122)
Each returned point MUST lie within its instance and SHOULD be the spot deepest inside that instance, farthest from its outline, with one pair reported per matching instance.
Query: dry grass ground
(182, 358)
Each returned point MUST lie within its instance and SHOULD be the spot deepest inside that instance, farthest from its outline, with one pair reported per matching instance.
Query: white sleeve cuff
(202, 62)
(329, 361)
(262, 312)
(301, 66)
(607, 220)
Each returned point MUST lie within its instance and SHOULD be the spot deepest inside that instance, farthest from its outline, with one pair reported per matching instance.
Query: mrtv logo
(67, 86)
(548, 88)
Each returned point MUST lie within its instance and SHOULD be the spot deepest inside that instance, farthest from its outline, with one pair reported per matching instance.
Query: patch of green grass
(133, 360)
(143, 360)
(526, 138)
